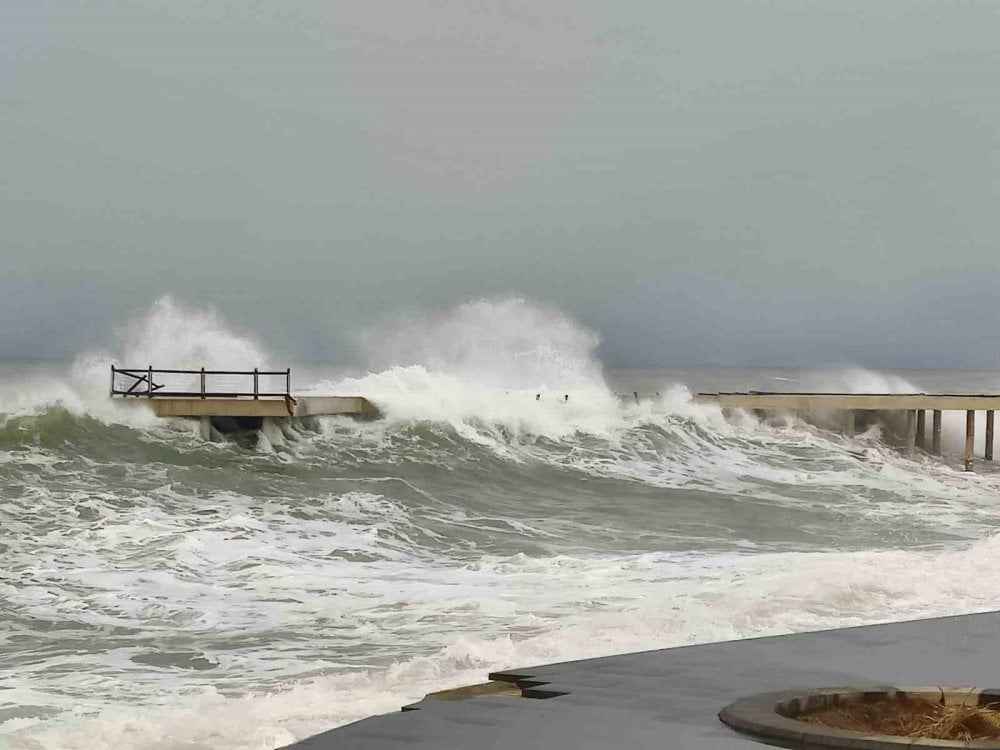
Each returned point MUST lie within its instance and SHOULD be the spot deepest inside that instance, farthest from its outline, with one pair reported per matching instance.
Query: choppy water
(161, 592)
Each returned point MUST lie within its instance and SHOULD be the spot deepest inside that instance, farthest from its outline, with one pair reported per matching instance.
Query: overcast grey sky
(699, 182)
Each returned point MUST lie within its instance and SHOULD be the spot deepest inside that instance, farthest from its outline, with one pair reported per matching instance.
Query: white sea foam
(572, 608)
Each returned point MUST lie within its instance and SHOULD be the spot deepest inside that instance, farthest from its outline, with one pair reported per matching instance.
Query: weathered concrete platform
(228, 400)
(222, 415)
(297, 406)
(852, 401)
(670, 699)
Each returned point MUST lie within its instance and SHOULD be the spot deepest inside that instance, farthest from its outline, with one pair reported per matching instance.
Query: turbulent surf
(157, 591)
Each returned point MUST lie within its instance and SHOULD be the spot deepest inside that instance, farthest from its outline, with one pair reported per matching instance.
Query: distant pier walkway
(229, 400)
(914, 405)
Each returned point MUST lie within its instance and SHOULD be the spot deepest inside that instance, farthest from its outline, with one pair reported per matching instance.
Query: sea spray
(501, 344)
(494, 370)
(168, 335)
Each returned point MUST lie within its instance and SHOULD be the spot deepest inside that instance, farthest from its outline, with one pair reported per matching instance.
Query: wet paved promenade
(670, 699)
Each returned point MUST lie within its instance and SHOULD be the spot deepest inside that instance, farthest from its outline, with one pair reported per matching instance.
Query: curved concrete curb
(770, 717)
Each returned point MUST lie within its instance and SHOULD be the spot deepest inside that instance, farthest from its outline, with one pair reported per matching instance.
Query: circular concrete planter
(771, 717)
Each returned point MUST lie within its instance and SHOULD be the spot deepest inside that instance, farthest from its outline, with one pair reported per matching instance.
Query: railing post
(255, 387)
(288, 381)
(203, 382)
(112, 380)
(149, 382)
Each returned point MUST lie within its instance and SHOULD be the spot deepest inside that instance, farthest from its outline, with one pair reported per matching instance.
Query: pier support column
(936, 433)
(989, 435)
(922, 429)
(205, 428)
(849, 423)
(970, 438)
(911, 431)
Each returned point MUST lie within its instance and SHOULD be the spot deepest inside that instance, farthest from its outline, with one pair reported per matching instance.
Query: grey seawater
(161, 592)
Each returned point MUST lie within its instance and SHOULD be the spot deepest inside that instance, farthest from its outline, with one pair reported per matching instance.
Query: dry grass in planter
(905, 716)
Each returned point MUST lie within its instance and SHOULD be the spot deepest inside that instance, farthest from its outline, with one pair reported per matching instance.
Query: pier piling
(989, 435)
(936, 433)
(911, 431)
(970, 439)
(922, 429)
(849, 423)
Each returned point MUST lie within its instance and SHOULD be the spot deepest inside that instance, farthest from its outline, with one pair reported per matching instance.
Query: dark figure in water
(636, 394)
(566, 397)
(538, 397)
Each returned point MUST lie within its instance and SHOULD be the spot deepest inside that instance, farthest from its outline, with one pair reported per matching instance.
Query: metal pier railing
(152, 382)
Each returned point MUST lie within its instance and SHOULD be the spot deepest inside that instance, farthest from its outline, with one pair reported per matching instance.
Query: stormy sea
(516, 504)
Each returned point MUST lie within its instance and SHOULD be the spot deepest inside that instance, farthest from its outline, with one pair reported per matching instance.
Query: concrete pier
(915, 406)
(793, 402)
(671, 699)
(297, 406)
(229, 400)
(231, 415)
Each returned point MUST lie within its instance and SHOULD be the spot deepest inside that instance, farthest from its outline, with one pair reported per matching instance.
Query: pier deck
(670, 699)
(852, 401)
(295, 406)
(227, 400)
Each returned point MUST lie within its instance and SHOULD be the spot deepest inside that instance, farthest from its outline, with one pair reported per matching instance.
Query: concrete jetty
(914, 406)
(671, 699)
(229, 400)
